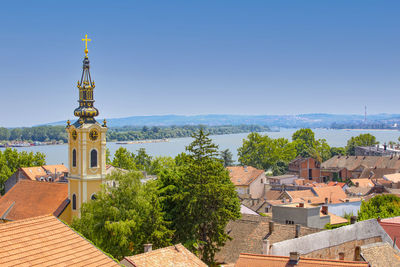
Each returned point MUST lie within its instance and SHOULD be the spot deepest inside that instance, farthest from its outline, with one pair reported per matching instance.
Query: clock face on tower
(93, 134)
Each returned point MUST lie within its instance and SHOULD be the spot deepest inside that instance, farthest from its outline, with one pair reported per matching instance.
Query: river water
(56, 154)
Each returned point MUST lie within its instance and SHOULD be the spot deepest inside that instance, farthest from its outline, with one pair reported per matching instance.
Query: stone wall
(347, 248)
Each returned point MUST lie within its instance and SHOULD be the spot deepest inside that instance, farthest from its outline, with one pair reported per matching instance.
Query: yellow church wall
(93, 187)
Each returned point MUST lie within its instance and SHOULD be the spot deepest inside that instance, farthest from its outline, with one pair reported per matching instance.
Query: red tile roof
(243, 175)
(392, 228)
(177, 256)
(335, 194)
(31, 199)
(46, 241)
(332, 183)
(38, 171)
(257, 260)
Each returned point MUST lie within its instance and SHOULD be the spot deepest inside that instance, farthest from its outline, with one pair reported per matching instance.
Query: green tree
(360, 140)
(338, 151)
(383, 206)
(199, 198)
(124, 159)
(4, 133)
(266, 153)
(307, 146)
(226, 156)
(142, 160)
(11, 160)
(108, 156)
(122, 219)
(158, 164)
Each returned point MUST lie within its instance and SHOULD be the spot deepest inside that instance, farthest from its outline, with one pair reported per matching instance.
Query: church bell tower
(86, 144)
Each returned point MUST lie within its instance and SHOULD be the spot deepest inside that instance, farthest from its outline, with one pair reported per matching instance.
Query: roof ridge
(26, 220)
(304, 258)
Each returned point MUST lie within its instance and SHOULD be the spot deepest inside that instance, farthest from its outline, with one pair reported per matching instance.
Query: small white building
(282, 179)
(248, 180)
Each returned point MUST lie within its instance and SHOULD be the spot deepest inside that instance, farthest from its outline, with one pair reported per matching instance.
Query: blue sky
(199, 57)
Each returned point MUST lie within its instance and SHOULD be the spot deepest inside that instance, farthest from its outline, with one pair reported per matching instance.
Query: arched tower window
(74, 157)
(93, 158)
(74, 202)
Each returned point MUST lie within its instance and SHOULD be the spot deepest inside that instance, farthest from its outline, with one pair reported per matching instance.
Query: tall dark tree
(226, 156)
(200, 198)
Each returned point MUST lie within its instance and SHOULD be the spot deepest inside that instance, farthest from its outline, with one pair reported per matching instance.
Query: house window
(261, 180)
(310, 174)
(74, 202)
(93, 158)
(74, 157)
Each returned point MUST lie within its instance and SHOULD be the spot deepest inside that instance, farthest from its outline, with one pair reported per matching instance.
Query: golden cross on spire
(86, 40)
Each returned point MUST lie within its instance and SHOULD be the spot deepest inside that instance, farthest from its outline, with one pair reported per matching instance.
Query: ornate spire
(86, 111)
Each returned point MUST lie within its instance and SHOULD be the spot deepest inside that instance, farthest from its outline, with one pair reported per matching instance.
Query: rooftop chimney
(353, 219)
(297, 234)
(357, 253)
(148, 247)
(294, 258)
(341, 256)
(245, 168)
(324, 210)
(357, 184)
(265, 246)
(271, 227)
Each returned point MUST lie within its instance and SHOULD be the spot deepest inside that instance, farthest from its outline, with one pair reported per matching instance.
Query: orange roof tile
(243, 175)
(256, 260)
(301, 193)
(59, 168)
(46, 241)
(33, 172)
(333, 183)
(333, 193)
(363, 182)
(177, 256)
(32, 198)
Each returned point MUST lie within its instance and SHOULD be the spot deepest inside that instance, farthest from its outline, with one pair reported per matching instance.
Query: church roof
(46, 241)
(29, 199)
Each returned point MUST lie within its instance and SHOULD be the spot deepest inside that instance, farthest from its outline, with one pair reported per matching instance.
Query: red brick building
(307, 168)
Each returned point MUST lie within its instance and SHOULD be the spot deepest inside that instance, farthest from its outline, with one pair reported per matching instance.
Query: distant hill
(313, 120)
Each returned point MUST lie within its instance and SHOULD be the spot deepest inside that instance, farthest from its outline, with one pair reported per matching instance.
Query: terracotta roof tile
(177, 256)
(243, 175)
(301, 194)
(253, 260)
(353, 162)
(392, 228)
(394, 178)
(32, 199)
(46, 241)
(333, 183)
(248, 232)
(380, 255)
(363, 182)
(333, 193)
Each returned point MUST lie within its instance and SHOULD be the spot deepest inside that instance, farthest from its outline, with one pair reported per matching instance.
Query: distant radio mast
(365, 114)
